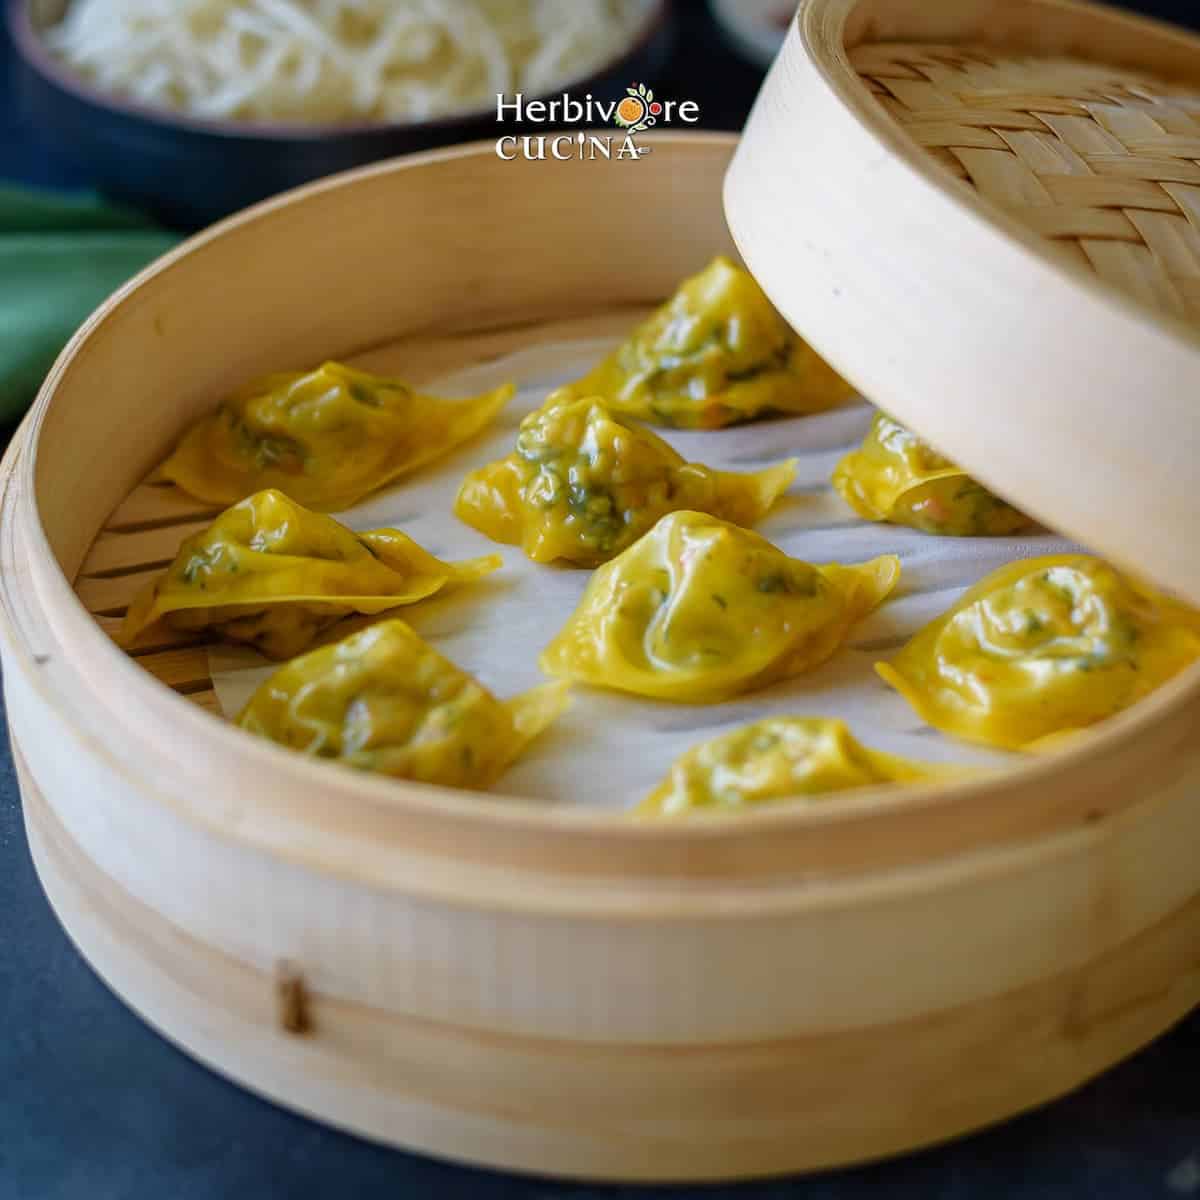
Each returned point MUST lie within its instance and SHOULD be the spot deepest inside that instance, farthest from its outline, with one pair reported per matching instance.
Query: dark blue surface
(95, 1106)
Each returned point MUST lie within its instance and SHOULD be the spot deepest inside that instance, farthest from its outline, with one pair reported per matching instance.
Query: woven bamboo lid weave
(986, 213)
(1099, 160)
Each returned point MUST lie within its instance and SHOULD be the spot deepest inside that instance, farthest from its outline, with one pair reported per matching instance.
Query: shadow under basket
(489, 979)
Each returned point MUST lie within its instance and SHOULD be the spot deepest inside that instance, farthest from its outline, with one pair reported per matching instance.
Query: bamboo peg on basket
(291, 999)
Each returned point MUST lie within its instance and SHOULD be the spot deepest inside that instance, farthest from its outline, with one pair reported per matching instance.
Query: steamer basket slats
(157, 506)
(814, 984)
(128, 555)
(123, 552)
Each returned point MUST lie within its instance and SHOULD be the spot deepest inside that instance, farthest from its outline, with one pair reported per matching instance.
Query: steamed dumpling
(699, 611)
(382, 700)
(1043, 647)
(273, 574)
(326, 437)
(583, 484)
(781, 758)
(894, 476)
(715, 354)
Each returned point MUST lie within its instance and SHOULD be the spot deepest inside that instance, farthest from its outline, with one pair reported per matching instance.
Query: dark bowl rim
(33, 51)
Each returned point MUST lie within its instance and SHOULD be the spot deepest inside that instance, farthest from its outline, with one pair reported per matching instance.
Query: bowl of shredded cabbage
(193, 109)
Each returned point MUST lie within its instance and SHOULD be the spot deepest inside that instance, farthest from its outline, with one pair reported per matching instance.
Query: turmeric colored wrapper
(270, 573)
(716, 354)
(894, 476)
(583, 484)
(778, 760)
(383, 700)
(700, 611)
(327, 438)
(1041, 649)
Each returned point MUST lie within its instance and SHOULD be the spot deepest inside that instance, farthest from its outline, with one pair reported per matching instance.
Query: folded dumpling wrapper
(326, 437)
(383, 700)
(271, 573)
(583, 484)
(699, 611)
(717, 353)
(780, 759)
(1043, 648)
(895, 476)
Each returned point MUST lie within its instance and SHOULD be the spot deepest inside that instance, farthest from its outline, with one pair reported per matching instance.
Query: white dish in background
(755, 27)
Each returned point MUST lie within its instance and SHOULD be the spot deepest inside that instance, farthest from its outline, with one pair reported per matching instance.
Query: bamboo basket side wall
(622, 1111)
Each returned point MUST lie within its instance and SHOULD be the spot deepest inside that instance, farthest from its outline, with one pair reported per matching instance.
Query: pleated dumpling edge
(326, 437)
(781, 760)
(584, 483)
(700, 610)
(272, 574)
(1043, 648)
(383, 700)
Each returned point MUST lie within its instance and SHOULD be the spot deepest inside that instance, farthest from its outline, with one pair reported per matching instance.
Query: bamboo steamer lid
(986, 214)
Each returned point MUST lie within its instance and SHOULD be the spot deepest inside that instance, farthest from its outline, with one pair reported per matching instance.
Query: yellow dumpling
(894, 476)
(699, 611)
(273, 574)
(326, 437)
(1041, 648)
(715, 354)
(781, 758)
(382, 700)
(583, 484)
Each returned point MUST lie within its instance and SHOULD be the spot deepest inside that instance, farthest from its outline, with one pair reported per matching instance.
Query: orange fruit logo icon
(638, 109)
(631, 110)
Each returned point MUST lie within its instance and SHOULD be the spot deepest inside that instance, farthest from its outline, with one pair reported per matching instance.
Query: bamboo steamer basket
(489, 979)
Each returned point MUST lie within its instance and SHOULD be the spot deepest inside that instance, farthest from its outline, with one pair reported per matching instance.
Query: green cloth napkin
(60, 256)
